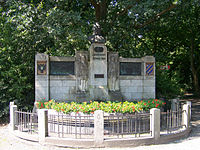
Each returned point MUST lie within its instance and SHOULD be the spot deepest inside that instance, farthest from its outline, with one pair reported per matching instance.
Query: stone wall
(102, 77)
(139, 86)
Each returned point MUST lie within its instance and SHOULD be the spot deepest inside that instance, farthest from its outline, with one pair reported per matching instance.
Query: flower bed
(109, 107)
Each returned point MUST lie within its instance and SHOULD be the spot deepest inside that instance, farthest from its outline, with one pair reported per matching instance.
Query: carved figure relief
(113, 71)
(81, 71)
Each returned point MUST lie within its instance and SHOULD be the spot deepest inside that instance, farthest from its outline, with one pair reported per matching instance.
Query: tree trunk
(194, 70)
(100, 9)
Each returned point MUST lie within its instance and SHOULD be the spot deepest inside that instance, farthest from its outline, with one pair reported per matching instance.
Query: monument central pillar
(98, 83)
(98, 86)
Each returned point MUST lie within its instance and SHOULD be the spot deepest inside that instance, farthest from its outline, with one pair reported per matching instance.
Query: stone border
(108, 143)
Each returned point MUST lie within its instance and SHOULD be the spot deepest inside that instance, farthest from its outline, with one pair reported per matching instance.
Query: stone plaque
(99, 76)
(61, 68)
(149, 69)
(41, 67)
(130, 68)
(98, 49)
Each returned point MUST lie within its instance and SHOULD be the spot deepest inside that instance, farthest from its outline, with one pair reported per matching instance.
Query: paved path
(9, 142)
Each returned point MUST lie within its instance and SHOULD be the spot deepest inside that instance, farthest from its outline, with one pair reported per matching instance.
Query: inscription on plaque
(98, 49)
(130, 68)
(61, 68)
(42, 67)
(99, 76)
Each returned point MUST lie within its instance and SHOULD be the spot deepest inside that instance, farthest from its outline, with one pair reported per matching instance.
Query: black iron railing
(127, 124)
(26, 121)
(67, 125)
(171, 121)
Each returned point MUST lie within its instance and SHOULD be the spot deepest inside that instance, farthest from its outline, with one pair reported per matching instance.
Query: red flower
(145, 104)
(153, 102)
(148, 101)
(62, 110)
(157, 105)
(113, 109)
(42, 106)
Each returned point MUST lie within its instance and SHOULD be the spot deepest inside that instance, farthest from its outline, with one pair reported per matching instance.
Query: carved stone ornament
(42, 67)
(96, 37)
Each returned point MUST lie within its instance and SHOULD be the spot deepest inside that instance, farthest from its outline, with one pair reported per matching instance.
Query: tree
(134, 28)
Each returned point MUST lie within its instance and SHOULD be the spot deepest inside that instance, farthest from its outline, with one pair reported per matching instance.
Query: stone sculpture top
(96, 37)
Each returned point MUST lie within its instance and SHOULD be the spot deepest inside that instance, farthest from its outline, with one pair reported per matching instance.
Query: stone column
(13, 116)
(41, 76)
(42, 125)
(98, 128)
(155, 123)
(185, 116)
(149, 88)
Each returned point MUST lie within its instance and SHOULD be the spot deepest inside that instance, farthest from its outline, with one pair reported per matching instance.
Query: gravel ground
(9, 142)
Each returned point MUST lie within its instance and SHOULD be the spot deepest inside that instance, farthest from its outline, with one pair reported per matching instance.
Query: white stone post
(13, 116)
(155, 123)
(42, 125)
(185, 115)
(98, 128)
(190, 108)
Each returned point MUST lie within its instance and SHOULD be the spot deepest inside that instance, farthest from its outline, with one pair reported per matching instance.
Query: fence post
(155, 123)
(185, 115)
(98, 128)
(13, 116)
(42, 124)
(190, 108)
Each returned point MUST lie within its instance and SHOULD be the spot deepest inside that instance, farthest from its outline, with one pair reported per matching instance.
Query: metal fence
(129, 124)
(26, 122)
(67, 125)
(171, 121)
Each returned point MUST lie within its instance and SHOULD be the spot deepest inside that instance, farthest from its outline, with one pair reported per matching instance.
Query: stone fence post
(98, 128)
(190, 108)
(186, 115)
(13, 116)
(42, 124)
(155, 123)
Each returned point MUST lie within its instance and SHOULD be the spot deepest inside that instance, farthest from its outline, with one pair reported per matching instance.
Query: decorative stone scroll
(113, 71)
(81, 71)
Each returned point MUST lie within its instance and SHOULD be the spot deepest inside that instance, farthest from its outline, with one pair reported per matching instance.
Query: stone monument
(94, 75)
